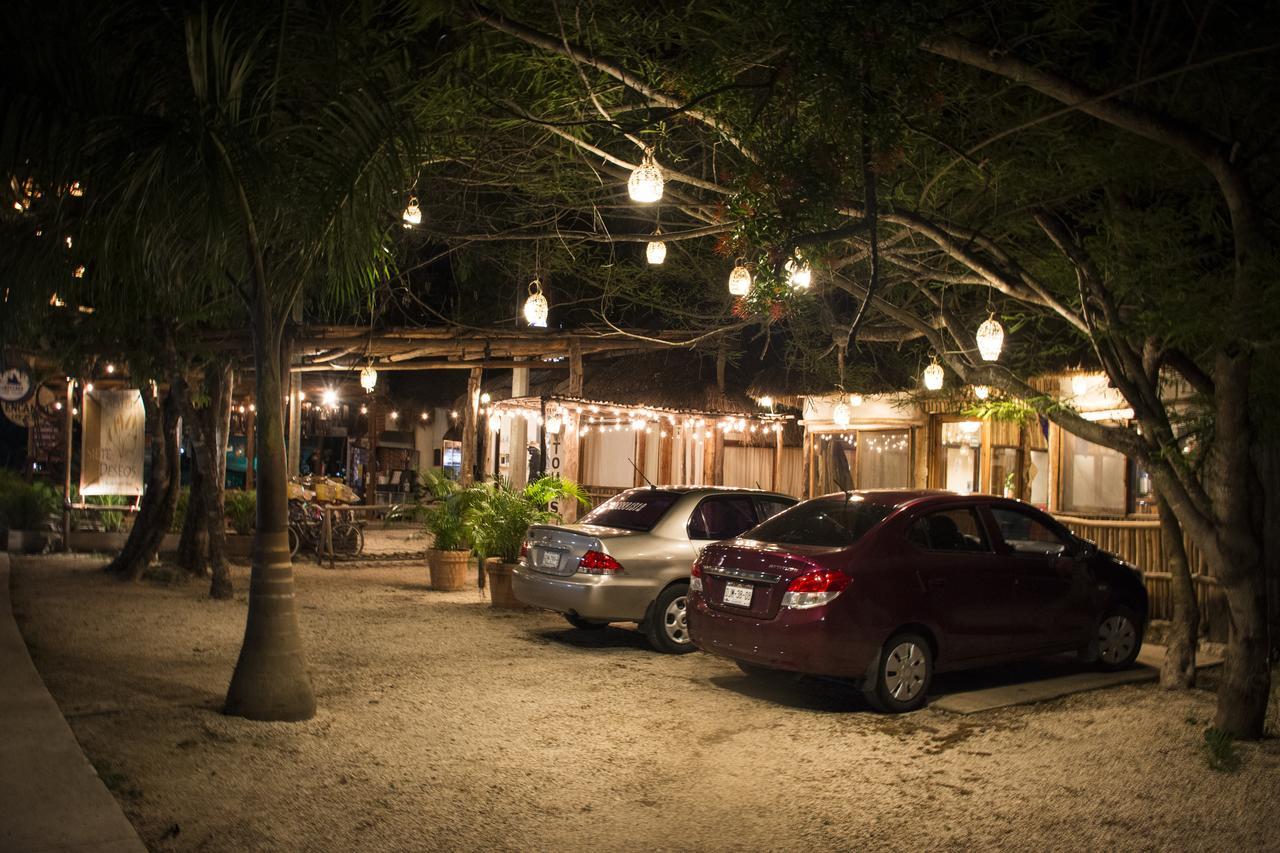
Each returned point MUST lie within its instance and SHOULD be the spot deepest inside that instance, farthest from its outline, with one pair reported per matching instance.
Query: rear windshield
(828, 522)
(637, 509)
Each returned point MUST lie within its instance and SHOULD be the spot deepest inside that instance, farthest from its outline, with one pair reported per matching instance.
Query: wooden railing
(1138, 541)
(599, 494)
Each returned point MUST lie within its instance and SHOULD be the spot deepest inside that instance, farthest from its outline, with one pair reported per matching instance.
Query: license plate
(738, 594)
(550, 559)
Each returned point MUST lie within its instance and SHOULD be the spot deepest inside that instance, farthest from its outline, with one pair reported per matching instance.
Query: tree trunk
(1178, 672)
(216, 424)
(193, 547)
(270, 681)
(160, 499)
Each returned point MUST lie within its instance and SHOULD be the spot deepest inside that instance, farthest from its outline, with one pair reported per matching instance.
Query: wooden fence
(1138, 541)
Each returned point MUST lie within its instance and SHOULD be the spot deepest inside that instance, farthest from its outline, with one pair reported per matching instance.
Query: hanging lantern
(645, 183)
(739, 281)
(982, 392)
(933, 377)
(855, 399)
(329, 398)
(990, 338)
(412, 213)
(841, 415)
(656, 252)
(1079, 384)
(535, 307)
(799, 273)
(554, 424)
(368, 379)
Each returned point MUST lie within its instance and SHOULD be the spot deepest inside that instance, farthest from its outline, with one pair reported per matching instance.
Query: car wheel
(899, 679)
(668, 624)
(584, 624)
(1117, 640)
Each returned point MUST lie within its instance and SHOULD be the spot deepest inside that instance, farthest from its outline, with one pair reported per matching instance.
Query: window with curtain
(1092, 477)
(884, 459)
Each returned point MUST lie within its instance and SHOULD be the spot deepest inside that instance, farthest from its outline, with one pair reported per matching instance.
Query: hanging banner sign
(15, 383)
(113, 431)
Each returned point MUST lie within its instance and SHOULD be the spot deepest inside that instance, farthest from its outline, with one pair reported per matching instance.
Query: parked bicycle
(306, 528)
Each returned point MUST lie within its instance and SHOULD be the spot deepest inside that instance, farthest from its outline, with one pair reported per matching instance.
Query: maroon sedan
(888, 587)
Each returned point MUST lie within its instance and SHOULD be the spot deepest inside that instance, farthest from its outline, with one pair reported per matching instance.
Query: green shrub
(242, 510)
(26, 506)
(500, 515)
(446, 520)
(112, 521)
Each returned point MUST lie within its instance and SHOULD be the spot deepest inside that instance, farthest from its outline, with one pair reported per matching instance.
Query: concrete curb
(52, 797)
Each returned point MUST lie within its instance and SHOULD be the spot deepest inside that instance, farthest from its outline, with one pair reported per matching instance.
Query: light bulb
(981, 392)
(536, 307)
(766, 401)
(841, 415)
(554, 424)
(799, 273)
(329, 398)
(855, 399)
(368, 378)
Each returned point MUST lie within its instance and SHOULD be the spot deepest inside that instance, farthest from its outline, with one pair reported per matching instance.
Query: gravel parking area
(446, 725)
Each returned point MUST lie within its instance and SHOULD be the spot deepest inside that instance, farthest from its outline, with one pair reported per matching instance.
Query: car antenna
(641, 473)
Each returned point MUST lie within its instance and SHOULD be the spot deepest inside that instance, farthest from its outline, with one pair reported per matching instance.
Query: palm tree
(257, 153)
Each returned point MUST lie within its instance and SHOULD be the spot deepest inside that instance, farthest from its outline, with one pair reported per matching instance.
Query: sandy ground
(445, 725)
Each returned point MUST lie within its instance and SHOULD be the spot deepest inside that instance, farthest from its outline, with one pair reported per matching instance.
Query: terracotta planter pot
(448, 569)
(500, 594)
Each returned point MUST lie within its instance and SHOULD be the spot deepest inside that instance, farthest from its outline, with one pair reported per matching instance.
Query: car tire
(898, 681)
(584, 624)
(667, 627)
(1117, 639)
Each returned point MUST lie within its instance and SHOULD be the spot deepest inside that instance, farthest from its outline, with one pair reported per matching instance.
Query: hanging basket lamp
(990, 339)
(368, 379)
(536, 307)
(841, 415)
(645, 184)
(739, 281)
(799, 273)
(412, 213)
(933, 376)
(656, 250)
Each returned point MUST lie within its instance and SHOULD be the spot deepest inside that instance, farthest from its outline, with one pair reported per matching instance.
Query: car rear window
(637, 509)
(827, 522)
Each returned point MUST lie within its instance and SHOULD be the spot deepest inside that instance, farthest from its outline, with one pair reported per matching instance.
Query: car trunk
(555, 550)
(765, 569)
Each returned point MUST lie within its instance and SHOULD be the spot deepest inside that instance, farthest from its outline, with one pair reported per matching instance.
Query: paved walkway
(51, 799)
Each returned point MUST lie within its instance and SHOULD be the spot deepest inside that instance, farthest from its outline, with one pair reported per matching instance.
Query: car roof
(686, 490)
(899, 498)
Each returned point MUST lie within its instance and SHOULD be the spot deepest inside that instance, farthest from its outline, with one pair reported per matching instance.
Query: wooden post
(66, 467)
(518, 446)
(375, 424)
(717, 469)
(571, 443)
(575, 368)
(251, 450)
(666, 442)
(470, 416)
(806, 465)
(640, 454)
(777, 459)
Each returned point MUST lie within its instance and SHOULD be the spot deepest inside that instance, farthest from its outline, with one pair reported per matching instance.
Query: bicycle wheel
(348, 540)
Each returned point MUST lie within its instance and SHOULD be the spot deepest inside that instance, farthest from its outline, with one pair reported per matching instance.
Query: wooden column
(641, 451)
(571, 443)
(777, 460)
(470, 417)
(575, 368)
(666, 443)
(806, 465)
(518, 447)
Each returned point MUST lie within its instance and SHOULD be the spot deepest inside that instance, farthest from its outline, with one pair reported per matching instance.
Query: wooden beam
(777, 460)
(575, 368)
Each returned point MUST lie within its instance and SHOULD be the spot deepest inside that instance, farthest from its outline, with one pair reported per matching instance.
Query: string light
(645, 184)
(739, 281)
(394, 415)
(535, 307)
(990, 339)
(412, 213)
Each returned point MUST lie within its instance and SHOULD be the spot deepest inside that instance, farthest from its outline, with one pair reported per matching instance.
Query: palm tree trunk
(216, 426)
(193, 546)
(270, 681)
(1178, 672)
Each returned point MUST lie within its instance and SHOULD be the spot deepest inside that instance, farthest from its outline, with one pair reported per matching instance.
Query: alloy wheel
(905, 671)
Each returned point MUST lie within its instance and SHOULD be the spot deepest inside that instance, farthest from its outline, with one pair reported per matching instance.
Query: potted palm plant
(450, 529)
(500, 516)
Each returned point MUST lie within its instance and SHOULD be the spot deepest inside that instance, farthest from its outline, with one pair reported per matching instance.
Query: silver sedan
(628, 560)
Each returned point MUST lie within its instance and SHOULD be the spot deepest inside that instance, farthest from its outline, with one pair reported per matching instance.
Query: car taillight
(813, 589)
(597, 563)
(695, 575)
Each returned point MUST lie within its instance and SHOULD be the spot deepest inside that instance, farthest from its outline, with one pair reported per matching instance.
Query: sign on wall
(15, 382)
(113, 429)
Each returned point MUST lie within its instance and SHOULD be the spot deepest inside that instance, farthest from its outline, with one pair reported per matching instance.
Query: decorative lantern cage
(933, 376)
(855, 399)
(739, 281)
(368, 379)
(656, 250)
(990, 339)
(645, 183)
(841, 415)
(536, 307)
(799, 273)
(554, 424)
(982, 392)
(412, 213)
